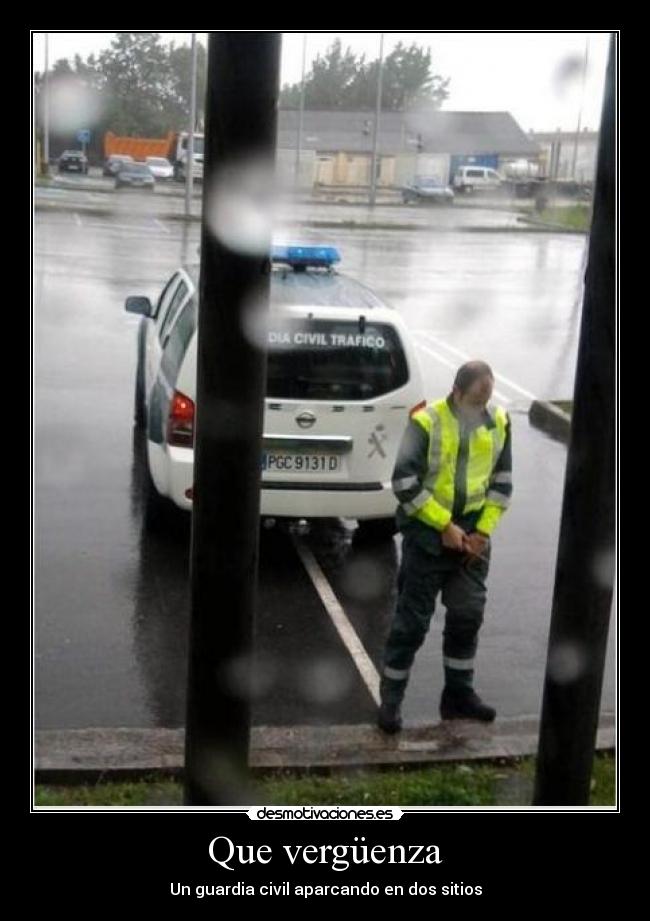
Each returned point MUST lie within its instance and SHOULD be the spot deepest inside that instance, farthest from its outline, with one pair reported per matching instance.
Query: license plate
(283, 462)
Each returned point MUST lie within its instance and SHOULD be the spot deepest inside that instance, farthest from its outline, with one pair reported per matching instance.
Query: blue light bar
(315, 256)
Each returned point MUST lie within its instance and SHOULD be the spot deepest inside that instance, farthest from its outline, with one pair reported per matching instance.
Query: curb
(330, 224)
(551, 228)
(77, 755)
(550, 419)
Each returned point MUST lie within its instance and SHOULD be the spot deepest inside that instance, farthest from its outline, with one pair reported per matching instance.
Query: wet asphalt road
(111, 599)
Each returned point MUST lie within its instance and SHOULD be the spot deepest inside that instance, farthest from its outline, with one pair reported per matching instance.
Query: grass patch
(574, 217)
(442, 785)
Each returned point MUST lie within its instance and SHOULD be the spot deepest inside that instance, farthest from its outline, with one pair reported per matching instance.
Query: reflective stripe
(496, 447)
(435, 446)
(416, 504)
(405, 483)
(396, 674)
(461, 665)
(503, 477)
(498, 498)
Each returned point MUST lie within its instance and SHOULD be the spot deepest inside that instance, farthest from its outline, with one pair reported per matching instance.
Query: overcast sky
(516, 72)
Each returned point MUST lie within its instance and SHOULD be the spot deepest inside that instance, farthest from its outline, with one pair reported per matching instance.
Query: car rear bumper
(172, 472)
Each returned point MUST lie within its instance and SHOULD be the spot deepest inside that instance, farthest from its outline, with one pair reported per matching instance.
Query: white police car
(342, 380)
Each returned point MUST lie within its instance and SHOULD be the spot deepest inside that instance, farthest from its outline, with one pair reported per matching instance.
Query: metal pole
(375, 137)
(582, 100)
(301, 111)
(241, 119)
(189, 162)
(46, 108)
(586, 552)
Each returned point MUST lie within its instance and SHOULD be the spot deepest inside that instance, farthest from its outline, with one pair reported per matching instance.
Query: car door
(153, 348)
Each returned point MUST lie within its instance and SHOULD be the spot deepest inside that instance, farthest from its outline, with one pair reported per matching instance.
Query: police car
(342, 379)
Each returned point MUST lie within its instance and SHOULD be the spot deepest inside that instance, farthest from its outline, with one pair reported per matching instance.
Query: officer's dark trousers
(423, 575)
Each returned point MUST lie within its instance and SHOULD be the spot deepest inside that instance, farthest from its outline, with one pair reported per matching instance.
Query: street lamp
(189, 162)
(582, 100)
(46, 110)
(375, 139)
(301, 112)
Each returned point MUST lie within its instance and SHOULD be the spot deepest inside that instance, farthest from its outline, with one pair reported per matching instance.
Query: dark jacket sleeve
(411, 464)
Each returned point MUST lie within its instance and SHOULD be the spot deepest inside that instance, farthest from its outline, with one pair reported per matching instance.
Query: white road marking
(160, 225)
(344, 628)
(465, 357)
(454, 367)
(78, 220)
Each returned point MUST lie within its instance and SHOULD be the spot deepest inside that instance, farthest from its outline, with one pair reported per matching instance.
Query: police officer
(453, 480)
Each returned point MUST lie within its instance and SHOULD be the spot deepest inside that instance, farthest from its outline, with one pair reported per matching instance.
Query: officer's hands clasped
(474, 546)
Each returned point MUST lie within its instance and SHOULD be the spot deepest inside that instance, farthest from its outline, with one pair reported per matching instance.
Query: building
(568, 154)
(336, 147)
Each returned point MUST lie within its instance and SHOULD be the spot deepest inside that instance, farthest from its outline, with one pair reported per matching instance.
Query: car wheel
(377, 530)
(139, 409)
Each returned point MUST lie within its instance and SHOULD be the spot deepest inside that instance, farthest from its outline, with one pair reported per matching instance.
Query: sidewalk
(76, 754)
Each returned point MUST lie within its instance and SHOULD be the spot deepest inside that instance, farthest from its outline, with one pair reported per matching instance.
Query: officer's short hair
(469, 373)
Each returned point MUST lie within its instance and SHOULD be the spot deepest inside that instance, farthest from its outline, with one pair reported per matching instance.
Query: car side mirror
(137, 304)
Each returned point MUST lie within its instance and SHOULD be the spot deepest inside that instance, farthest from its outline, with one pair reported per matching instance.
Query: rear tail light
(418, 406)
(180, 424)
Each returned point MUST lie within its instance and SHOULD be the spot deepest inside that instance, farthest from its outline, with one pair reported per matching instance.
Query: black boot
(389, 718)
(465, 704)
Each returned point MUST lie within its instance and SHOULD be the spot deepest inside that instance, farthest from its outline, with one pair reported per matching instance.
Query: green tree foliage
(140, 87)
(342, 80)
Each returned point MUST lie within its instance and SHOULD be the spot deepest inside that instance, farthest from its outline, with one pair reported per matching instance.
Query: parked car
(477, 178)
(114, 163)
(427, 189)
(342, 378)
(160, 167)
(135, 176)
(73, 161)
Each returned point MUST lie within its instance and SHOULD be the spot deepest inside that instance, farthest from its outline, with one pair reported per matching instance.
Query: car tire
(377, 530)
(139, 409)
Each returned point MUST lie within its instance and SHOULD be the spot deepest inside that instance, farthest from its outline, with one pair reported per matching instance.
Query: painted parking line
(342, 625)
(454, 367)
(498, 376)
(77, 219)
(161, 226)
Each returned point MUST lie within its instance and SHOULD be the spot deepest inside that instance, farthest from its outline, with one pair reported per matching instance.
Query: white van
(476, 178)
(342, 378)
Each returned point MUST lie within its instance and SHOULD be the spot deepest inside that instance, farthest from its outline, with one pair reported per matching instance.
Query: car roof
(321, 289)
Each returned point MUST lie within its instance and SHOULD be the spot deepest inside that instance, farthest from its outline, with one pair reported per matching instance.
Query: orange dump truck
(173, 148)
(139, 148)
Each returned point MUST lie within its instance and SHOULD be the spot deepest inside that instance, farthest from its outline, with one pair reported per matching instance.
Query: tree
(138, 87)
(136, 79)
(180, 64)
(341, 80)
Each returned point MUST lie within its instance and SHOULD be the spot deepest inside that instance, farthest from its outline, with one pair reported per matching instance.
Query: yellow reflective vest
(446, 471)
